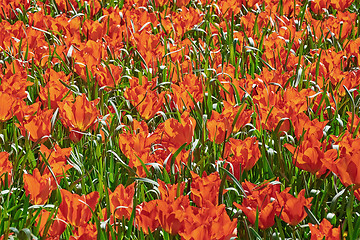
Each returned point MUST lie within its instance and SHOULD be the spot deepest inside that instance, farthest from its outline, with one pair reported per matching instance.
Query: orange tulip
(79, 116)
(171, 214)
(146, 216)
(135, 141)
(57, 226)
(38, 128)
(219, 127)
(15, 84)
(176, 216)
(205, 189)
(109, 77)
(212, 222)
(310, 154)
(24, 112)
(57, 159)
(347, 167)
(173, 134)
(146, 101)
(54, 91)
(357, 193)
(318, 6)
(5, 167)
(56, 154)
(148, 45)
(302, 124)
(75, 208)
(6, 107)
(8, 6)
(150, 213)
(184, 21)
(182, 3)
(265, 215)
(85, 232)
(136, 145)
(38, 186)
(94, 5)
(243, 118)
(229, 7)
(242, 154)
(233, 88)
(189, 86)
(121, 201)
(169, 192)
(160, 3)
(292, 209)
(159, 146)
(324, 231)
(260, 201)
(273, 106)
(341, 5)
(265, 192)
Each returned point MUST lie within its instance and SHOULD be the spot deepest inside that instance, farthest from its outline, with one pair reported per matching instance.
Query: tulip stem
(278, 222)
(349, 211)
(293, 232)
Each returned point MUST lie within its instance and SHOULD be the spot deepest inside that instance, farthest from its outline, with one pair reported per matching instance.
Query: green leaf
(147, 180)
(311, 216)
(255, 234)
(234, 180)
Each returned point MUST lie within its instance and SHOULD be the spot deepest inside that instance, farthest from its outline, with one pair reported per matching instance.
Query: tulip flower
(324, 231)
(292, 208)
(347, 168)
(146, 101)
(121, 201)
(38, 128)
(205, 189)
(170, 215)
(6, 106)
(265, 213)
(15, 84)
(170, 192)
(310, 154)
(188, 92)
(146, 216)
(5, 167)
(173, 134)
(78, 116)
(260, 202)
(24, 112)
(38, 186)
(219, 127)
(231, 112)
(54, 91)
(75, 208)
(57, 226)
(208, 223)
(85, 232)
(56, 154)
(242, 154)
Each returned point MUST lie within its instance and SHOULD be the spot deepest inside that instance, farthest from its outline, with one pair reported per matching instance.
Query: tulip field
(179, 119)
